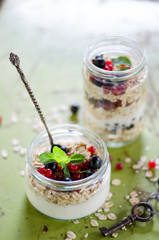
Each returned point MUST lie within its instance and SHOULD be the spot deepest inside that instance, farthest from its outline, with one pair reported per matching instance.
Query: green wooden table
(50, 38)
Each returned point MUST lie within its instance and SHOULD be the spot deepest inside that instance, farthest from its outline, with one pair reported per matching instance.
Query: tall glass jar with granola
(115, 83)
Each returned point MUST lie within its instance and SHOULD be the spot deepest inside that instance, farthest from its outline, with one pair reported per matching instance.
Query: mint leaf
(59, 155)
(46, 157)
(66, 171)
(76, 158)
(121, 60)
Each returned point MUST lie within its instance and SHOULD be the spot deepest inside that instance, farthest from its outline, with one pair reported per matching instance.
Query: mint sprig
(61, 158)
(121, 61)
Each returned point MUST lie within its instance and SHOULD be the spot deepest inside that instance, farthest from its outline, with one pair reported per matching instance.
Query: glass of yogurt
(56, 195)
(115, 85)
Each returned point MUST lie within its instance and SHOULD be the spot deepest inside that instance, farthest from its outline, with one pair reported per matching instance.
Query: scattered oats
(134, 201)
(127, 160)
(114, 235)
(22, 151)
(22, 173)
(106, 209)
(136, 166)
(16, 148)
(97, 214)
(90, 216)
(14, 118)
(124, 228)
(139, 193)
(99, 210)
(137, 171)
(143, 159)
(76, 222)
(15, 142)
(157, 161)
(71, 235)
(86, 235)
(4, 153)
(147, 148)
(94, 223)
(102, 217)
(116, 182)
(153, 179)
(108, 204)
(109, 196)
(145, 168)
(133, 194)
(127, 197)
(148, 174)
(112, 216)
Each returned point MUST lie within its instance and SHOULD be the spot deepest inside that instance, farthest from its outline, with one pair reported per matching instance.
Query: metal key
(130, 219)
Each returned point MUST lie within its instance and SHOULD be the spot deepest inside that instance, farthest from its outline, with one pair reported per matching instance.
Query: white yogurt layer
(71, 211)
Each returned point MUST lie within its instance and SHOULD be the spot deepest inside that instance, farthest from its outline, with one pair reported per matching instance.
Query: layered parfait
(115, 95)
(70, 181)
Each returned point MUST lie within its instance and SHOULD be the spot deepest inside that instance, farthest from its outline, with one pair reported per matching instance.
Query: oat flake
(133, 194)
(116, 182)
(112, 216)
(15, 142)
(76, 222)
(108, 204)
(102, 217)
(114, 235)
(134, 201)
(4, 153)
(94, 223)
(109, 196)
(127, 160)
(148, 174)
(86, 235)
(71, 235)
(106, 209)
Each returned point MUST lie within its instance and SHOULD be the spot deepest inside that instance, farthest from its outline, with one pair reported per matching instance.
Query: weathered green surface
(50, 39)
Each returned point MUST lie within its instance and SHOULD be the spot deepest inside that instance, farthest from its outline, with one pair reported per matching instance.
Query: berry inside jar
(70, 163)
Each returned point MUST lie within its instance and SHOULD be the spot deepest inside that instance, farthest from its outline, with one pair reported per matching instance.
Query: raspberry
(76, 176)
(42, 170)
(119, 166)
(86, 165)
(68, 154)
(91, 149)
(151, 164)
(48, 173)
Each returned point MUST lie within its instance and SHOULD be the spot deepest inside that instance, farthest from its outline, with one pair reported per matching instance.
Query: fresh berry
(59, 168)
(60, 177)
(68, 154)
(151, 164)
(61, 147)
(99, 62)
(91, 149)
(80, 166)
(42, 170)
(86, 165)
(53, 176)
(108, 65)
(48, 173)
(119, 166)
(74, 108)
(0, 119)
(52, 166)
(95, 162)
(73, 168)
(88, 173)
(76, 176)
(66, 179)
(118, 90)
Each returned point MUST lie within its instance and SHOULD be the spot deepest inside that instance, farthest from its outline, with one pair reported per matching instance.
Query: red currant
(80, 166)
(42, 170)
(59, 168)
(151, 164)
(0, 119)
(59, 177)
(76, 176)
(68, 154)
(53, 176)
(48, 173)
(108, 65)
(91, 149)
(73, 167)
(119, 166)
(86, 165)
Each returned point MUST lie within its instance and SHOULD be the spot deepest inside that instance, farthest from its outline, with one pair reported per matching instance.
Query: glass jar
(115, 100)
(73, 199)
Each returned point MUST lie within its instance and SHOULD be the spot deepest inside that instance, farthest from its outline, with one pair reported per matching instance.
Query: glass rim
(115, 75)
(64, 185)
